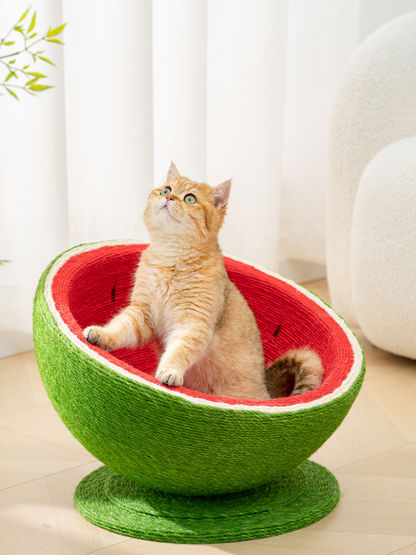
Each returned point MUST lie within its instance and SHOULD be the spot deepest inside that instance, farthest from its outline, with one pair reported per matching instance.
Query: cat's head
(182, 207)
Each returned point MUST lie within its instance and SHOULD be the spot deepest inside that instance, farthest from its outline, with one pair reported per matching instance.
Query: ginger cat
(204, 332)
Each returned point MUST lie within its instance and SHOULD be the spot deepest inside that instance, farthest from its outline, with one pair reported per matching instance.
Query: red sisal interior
(93, 286)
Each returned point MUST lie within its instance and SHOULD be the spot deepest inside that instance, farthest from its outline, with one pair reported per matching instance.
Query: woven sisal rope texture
(294, 501)
(166, 441)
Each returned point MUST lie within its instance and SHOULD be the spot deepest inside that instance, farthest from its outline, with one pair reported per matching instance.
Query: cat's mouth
(166, 209)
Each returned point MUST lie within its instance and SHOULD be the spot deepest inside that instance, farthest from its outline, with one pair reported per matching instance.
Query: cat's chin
(167, 214)
(165, 222)
(165, 210)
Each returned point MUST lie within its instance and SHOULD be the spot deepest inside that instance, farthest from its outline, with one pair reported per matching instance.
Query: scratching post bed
(181, 466)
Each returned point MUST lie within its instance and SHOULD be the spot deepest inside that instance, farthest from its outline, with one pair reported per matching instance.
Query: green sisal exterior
(168, 443)
(294, 501)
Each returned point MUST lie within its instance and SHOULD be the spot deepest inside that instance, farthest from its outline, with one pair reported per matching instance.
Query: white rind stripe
(345, 385)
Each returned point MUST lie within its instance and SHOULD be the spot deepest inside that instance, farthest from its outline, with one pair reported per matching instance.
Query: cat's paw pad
(169, 376)
(92, 335)
(96, 336)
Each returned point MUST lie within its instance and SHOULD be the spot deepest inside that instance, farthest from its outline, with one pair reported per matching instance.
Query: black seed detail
(277, 331)
(113, 293)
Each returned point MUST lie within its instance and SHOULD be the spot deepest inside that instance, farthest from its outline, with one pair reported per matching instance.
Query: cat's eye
(166, 191)
(190, 199)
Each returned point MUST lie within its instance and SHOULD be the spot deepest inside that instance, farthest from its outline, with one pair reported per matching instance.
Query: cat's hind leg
(129, 329)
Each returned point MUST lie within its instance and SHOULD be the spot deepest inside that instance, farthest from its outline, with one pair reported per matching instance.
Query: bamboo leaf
(33, 36)
(46, 60)
(31, 82)
(55, 40)
(25, 67)
(10, 76)
(32, 24)
(24, 15)
(9, 43)
(12, 61)
(12, 93)
(35, 74)
(54, 32)
(38, 88)
(20, 30)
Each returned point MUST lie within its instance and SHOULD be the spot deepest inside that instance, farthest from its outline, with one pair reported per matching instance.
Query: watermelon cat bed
(181, 466)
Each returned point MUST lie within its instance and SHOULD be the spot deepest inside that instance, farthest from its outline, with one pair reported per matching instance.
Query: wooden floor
(373, 455)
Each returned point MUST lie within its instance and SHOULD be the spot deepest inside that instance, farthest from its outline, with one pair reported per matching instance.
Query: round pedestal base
(294, 501)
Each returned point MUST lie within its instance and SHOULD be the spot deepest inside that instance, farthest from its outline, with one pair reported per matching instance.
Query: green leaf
(24, 15)
(39, 88)
(46, 60)
(20, 30)
(36, 74)
(33, 36)
(9, 43)
(12, 93)
(54, 32)
(31, 82)
(55, 40)
(25, 67)
(12, 61)
(10, 76)
(32, 24)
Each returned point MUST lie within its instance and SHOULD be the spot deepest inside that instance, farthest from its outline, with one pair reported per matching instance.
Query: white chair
(371, 246)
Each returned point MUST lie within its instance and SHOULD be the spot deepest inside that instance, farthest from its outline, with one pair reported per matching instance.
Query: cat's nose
(169, 197)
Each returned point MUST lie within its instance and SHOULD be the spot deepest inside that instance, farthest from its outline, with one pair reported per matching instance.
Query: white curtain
(224, 88)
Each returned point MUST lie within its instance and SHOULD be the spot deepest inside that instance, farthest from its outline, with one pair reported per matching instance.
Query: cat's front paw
(98, 336)
(169, 376)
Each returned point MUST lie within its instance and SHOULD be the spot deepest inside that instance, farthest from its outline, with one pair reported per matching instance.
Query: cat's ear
(221, 194)
(173, 172)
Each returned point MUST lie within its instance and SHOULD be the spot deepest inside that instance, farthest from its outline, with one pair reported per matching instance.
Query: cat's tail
(294, 373)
